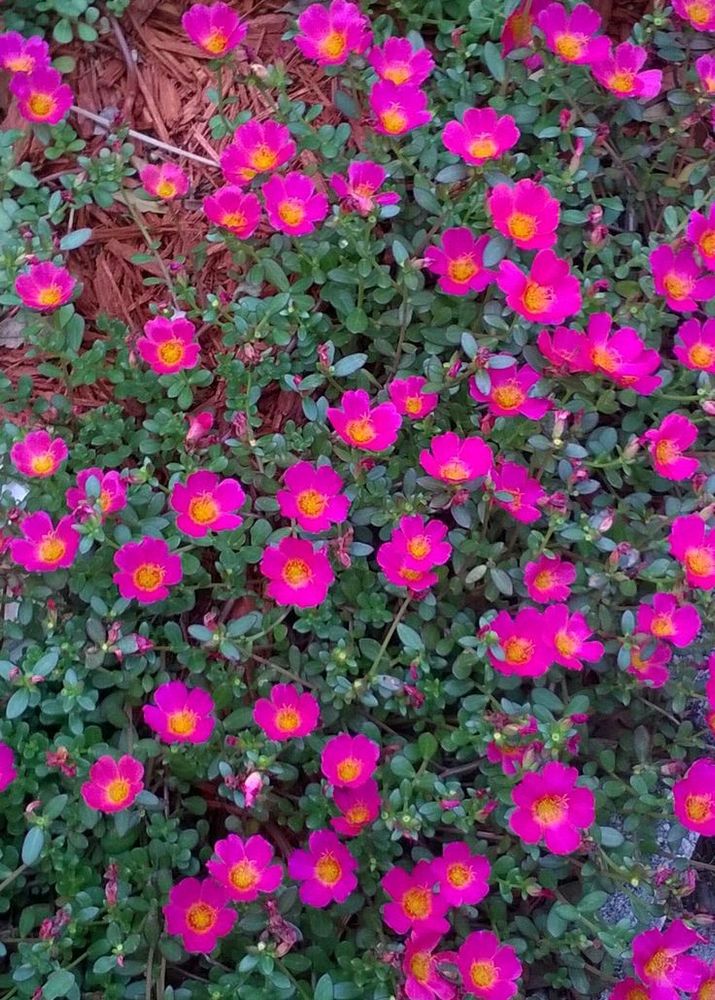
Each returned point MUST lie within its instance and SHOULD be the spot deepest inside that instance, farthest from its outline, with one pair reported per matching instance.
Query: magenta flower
(293, 204)
(146, 569)
(517, 492)
(678, 277)
(705, 67)
(216, 28)
(565, 349)
(706, 987)
(166, 181)
(489, 969)
(399, 63)
(326, 870)
(621, 72)
(359, 425)
(569, 636)
(696, 349)
(455, 460)
(299, 574)
(694, 545)
(329, 35)
(410, 399)
(694, 798)
(659, 960)
(44, 547)
(666, 619)
(234, 209)
(313, 496)
(620, 355)
(526, 213)
(398, 109)
(482, 135)
(256, 148)
(45, 287)
(397, 566)
(701, 228)
(198, 912)
(517, 32)
(113, 784)
(629, 989)
(8, 772)
(423, 542)
(550, 807)
(205, 502)
(547, 294)
(421, 970)
(349, 761)
(571, 35)
(651, 669)
(22, 55)
(667, 443)
(463, 877)
(549, 579)
(42, 98)
(509, 392)
(460, 262)
(168, 345)
(244, 867)
(522, 646)
(360, 190)
(112, 494)
(181, 714)
(38, 455)
(286, 714)
(510, 758)
(358, 806)
(700, 13)
(415, 906)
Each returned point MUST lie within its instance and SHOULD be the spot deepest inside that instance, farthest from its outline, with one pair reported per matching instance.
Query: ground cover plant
(358, 563)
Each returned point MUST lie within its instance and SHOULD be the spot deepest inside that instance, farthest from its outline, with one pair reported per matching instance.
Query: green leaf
(58, 984)
(32, 845)
(409, 638)
(494, 61)
(324, 988)
(275, 275)
(62, 33)
(17, 704)
(349, 364)
(428, 745)
(75, 239)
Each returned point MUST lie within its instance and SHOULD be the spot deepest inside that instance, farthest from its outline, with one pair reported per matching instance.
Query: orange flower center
(455, 471)
(42, 464)
(483, 973)
(263, 158)
(482, 148)
(459, 875)
(569, 47)
(678, 286)
(41, 105)
(21, 64)
(508, 396)
(234, 220)
(549, 809)
(565, 643)
(699, 808)
(706, 991)
(417, 903)
(287, 719)
(182, 723)
(148, 576)
(536, 298)
(104, 500)
(521, 226)
(462, 269)
(333, 45)
(394, 120)
(521, 25)
(622, 82)
(216, 42)
(51, 549)
(518, 649)
(291, 211)
(662, 626)
(419, 547)
(328, 870)
(636, 993)
(361, 431)
(701, 355)
(699, 13)
(201, 917)
(243, 875)
(349, 769)
(50, 295)
(413, 404)
(421, 966)
(397, 73)
(667, 452)
(700, 561)
(203, 509)
(297, 573)
(659, 965)
(166, 189)
(118, 791)
(544, 580)
(357, 814)
(707, 243)
(411, 574)
(311, 503)
(171, 352)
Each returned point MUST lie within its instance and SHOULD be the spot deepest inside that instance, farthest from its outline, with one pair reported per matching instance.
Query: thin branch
(142, 137)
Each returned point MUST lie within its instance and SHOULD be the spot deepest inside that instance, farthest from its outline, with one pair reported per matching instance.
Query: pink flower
(666, 619)
(460, 262)
(234, 209)
(326, 870)
(409, 398)
(650, 669)
(112, 495)
(349, 761)
(38, 455)
(293, 204)
(398, 110)
(516, 492)
(571, 34)
(420, 968)
(482, 135)
(677, 276)
(22, 55)
(205, 502)
(517, 32)
(415, 906)
(456, 460)
(422, 542)
(42, 98)
(400, 63)
(620, 72)
(256, 148)
(509, 392)
(547, 294)
(706, 987)
(621, 356)
(45, 287)
(700, 13)
(397, 567)
(251, 788)
(328, 35)
(359, 807)
(113, 784)
(667, 444)
(629, 989)
(701, 228)
(697, 345)
(568, 635)
(360, 190)
(7, 766)
(463, 877)
(489, 969)
(694, 546)
(197, 911)
(166, 181)
(694, 798)
(216, 28)
(549, 579)
(525, 213)
(313, 496)
(299, 574)
(660, 963)
(564, 348)
(199, 426)
(522, 646)
(550, 807)
(181, 714)
(286, 714)
(705, 67)
(509, 758)
(44, 547)
(146, 569)
(168, 345)
(244, 867)
(358, 425)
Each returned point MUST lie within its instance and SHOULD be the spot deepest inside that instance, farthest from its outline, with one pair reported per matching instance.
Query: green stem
(11, 878)
(388, 636)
